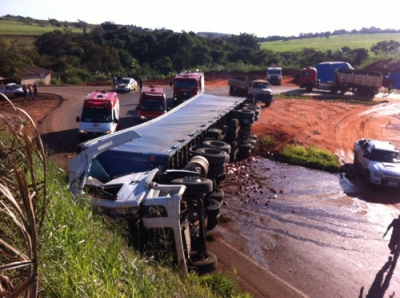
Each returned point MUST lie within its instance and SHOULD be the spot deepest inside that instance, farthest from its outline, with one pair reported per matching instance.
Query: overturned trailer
(165, 174)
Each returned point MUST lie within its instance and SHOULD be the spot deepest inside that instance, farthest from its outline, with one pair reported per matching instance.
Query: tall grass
(23, 201)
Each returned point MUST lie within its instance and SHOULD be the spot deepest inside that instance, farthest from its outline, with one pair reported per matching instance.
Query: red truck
(309, 78)
(186, 85)
(152, 103)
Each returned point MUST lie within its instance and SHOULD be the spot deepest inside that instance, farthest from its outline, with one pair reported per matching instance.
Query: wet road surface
(320, 232)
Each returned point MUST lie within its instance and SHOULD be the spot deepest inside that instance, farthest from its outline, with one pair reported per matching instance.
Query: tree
(12, 61)
(386, 47)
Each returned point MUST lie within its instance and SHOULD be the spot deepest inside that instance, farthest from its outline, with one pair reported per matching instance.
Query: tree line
(111, 50)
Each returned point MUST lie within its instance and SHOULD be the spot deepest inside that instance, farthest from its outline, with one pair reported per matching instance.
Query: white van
(100, 115)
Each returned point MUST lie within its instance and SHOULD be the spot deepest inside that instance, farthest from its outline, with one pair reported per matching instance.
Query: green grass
(310, 157)
(82, 255)
(332, 43)
(17, 28)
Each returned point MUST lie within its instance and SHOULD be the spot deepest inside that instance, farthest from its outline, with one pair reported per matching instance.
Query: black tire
(213, 155)
(268, 103)
(205, 265)
(213, 211)
(214, 133)
(243, 114)
(217, 194)
(309, 88)
(218, 144)
(195, 186)
(216, 171)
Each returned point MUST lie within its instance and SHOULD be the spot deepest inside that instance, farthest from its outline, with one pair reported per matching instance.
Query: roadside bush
(311, 157)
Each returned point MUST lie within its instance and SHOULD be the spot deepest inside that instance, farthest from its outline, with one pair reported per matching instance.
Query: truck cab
(260, 90)
(100, 115)
(186, 85)
(274, 75)
(309, 78)
(152, 103)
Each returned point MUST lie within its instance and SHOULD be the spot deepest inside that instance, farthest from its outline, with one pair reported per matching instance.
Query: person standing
(140, 85)
(25, 91)
(35, 91)
(30, 91)
(395, 238)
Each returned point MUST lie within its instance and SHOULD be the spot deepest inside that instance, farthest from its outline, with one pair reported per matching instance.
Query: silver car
(12, 90)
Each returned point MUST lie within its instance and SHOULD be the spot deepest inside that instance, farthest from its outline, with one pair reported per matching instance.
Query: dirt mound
(385, 66)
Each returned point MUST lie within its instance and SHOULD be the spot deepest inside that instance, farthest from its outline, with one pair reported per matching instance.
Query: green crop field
(333, 43)
(16, 28)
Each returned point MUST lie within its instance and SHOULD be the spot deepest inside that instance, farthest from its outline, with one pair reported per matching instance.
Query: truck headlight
(82, 131)
(155, 211)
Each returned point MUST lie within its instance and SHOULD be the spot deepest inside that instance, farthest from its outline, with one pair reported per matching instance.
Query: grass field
(323, 44)
(16, 28)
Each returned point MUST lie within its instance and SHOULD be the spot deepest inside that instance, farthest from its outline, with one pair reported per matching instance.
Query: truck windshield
(261, 85)
(185, 83)
(274, 71)
(152, 105)
(96, 115)
(384, 156)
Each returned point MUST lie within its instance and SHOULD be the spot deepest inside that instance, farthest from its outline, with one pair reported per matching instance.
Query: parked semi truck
(340, 76)
(164, 175)
(274, 75)
(186, 85)
(253, 89)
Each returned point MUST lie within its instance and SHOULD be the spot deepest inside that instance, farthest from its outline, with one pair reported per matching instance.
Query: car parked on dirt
(126, 85)
(378, 160)
(12, 90)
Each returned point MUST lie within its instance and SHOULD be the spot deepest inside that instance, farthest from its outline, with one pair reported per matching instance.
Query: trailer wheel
(215, 133)
(216, 171)
(309, 88)
(218, 144)
(217, 194)
(195, 186)
(243, 114)
(214, 156)
(205, 265)
(213, 211)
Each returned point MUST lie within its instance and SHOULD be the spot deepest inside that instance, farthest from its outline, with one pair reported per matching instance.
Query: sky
(262, 18)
